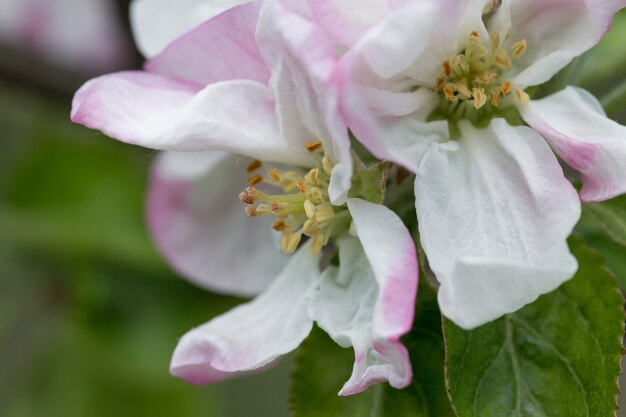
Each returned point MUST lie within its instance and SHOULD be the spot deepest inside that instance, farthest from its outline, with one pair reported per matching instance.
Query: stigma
(478, 74)
(302, 206)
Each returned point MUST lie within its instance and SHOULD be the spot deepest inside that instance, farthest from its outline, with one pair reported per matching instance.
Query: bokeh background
(89, 313)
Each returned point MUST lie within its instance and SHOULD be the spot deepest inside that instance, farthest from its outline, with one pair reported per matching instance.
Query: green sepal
(369, 182)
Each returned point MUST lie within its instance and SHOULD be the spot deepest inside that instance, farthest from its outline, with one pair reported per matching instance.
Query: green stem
(615, 101)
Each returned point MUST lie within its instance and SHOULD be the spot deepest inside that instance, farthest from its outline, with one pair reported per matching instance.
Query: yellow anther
(255, 179)
(274, 175)
(312, 177)
(495, 97)
(313, 146)
(324, 214)
(519, 48)
(522, 96)
(480, 98)
(449, 91)
(460, 64)
(315, 195)
(439, 84)
(318, 244)
(250, 211)
(289, 241)
(506, 87)
(254, 165)
(446, 68)
(279, 225)
(244, 197)
(485, 78)
(309, 209)
(310, 228)
(327, 166)
(301, 186)
(464, 92)
(262, 209)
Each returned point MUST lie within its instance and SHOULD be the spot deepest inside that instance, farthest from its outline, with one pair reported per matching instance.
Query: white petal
(575, 124)
(199, 224)
(557, 31)
(160, 113)
(494, 212)
(303, 62)
(252, 335)
(368, 302)
(156, 23)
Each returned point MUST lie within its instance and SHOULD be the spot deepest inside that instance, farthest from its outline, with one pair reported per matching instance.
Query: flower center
(303, 208)
(478, 73)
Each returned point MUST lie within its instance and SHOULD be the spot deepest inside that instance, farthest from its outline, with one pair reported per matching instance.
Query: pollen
(313, 146)
(254, 165)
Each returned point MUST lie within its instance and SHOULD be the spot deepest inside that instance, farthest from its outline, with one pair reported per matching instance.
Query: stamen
(522, 96)
(506, 87)
(519, 48)
(315, 195)
(464, 92)
(324, 214)
(273, 175)
(312, 177)
(318, 244)
(449, 91)
(279, 225)
(262, 209)
(495, 97)
(254, 165)
(503, 60)
(313, 146)
(301, 186)
(439, 84)
(250, 211)
(246, 198)
(480, 98)
(309, 209)
(447, 68)
(327, 166)
(289, 241)
(255, 179)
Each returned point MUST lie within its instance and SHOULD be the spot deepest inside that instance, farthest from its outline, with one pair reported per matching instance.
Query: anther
(276, 207)
(274, 175)
(449, 91)
(313, 146)
(324, 214)
(327, 166)
(464, 92)
(439, 84)
(309, 209)
(318, 244)
(289, 241)
(250, 211)
(480, 98)
(506, 87)
(315, 195)
(279, 225)
(254, 165)
(310, 228)
(246, 198)
(255, 179)
(519, 48)
(262, 209)
(522, 96)
(312, 176)
(447, 68)
(301, 186)
(495, 97)
(251, 191)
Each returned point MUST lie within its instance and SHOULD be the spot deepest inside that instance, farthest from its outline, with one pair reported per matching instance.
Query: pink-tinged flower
(83, 34)
(438, 87)
(248, 97)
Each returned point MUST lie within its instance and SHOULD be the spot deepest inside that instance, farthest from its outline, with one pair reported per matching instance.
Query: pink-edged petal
(347, 20)
(255, 334)
(494, 211)
(161, 113)
(199, 225)
(573, 122)
(303, 61)
(368, 302)
(557, 31)
(222, 48)
(156, 23)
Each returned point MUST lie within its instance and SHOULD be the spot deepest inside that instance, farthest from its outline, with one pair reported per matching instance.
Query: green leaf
(322, 367)
(556, 357)
(611, 217)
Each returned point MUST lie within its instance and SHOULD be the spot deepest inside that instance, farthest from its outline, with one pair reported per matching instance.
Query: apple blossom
(248, 97)
(441, 88)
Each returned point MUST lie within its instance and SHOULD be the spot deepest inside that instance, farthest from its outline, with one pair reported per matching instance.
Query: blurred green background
(89, 313)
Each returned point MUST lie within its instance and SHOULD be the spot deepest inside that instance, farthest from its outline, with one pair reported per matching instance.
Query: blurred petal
(575, 124)
(199, 224)
(156, 23)
(494, 212)
(303, 62)
(347, 20)
(222, 48)
(368, 302)
(557, 31)
(255, 334)
(160, 113)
